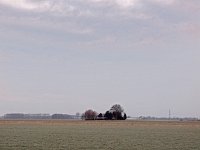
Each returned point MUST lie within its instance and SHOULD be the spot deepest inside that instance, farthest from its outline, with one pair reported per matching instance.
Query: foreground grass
(101, 135)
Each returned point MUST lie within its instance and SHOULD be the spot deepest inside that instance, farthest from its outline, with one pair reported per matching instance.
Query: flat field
(99, 135)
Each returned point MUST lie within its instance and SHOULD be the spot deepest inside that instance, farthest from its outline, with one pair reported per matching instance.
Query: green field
(91, 135)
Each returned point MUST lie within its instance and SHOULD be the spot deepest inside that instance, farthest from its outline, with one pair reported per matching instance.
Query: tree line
(39, 116)
(116, 112)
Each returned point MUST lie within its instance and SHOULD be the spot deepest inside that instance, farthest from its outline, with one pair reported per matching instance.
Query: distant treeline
(165, 118)
(39, 116)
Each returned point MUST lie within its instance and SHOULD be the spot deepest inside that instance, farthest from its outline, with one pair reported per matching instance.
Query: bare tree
(117, 111)
(90, 114)
(117, 108)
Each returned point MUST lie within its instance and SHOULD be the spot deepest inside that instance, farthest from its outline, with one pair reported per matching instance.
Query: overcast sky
(66, 56)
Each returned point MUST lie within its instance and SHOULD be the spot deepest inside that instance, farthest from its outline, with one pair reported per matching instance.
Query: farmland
(101, 135)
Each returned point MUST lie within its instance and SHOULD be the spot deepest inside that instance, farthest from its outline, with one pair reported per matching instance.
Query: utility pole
(169, 114)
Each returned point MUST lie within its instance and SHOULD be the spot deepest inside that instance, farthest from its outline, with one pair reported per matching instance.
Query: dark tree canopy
(100, 115)
(117, 115)
(125, 117)
(108, 115)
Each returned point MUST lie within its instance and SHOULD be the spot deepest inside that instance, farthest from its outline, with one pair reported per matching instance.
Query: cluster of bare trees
(116, 112)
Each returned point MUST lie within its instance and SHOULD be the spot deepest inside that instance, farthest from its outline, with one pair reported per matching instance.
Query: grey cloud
(99, 19)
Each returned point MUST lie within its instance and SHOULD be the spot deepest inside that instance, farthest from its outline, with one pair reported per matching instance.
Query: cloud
(193, 30)
(164, 2)
(25, 4)
(64, 6)
(121, 3)
(87, 8)
(57, 7)
(126, 3)
(47, 16)
(98, 19)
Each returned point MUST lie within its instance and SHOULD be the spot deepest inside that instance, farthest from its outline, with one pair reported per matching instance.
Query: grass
(101, 135)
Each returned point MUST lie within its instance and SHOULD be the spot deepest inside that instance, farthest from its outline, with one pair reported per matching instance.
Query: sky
(67, 56)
